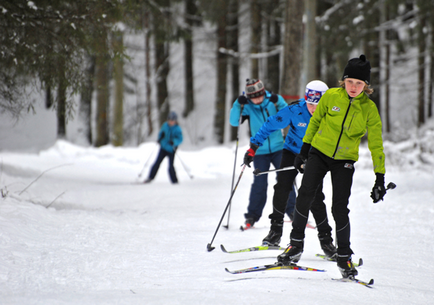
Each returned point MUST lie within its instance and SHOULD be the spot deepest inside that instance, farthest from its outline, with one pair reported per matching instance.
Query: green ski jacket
(339, 123)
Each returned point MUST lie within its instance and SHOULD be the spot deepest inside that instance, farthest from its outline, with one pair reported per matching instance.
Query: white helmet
(314, 90)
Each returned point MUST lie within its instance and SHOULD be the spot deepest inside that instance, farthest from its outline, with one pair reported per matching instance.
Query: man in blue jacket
(169, 137)
(297, 116)
(256, 107)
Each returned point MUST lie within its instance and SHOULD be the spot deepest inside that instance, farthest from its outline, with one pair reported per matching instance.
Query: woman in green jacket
(331, 144)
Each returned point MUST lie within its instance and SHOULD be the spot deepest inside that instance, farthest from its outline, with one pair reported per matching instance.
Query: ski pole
(183, 165)
(147, 161)
(235, 162)
(209, 247)
(258, 172)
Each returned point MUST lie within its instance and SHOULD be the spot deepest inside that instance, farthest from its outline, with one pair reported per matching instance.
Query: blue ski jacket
(296, 116)
(257, 116)
(170, 137)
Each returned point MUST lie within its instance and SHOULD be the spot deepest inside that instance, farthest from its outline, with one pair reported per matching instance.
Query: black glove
(250, 153)
(301, 159)
(242, 100)
(171, 143)
(273, 98)
(379, 190)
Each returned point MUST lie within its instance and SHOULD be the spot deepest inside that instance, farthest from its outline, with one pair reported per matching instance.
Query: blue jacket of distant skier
(170, 137)
(257, 116)
(296, 116)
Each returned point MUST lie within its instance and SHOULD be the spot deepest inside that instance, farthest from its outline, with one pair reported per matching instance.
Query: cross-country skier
(257, 106)
(331, 144)
(169, 137)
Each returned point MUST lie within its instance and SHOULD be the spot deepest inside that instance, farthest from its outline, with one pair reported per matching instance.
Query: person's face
(171, 122)
(311, 108)
(257, 100)
(354, 86)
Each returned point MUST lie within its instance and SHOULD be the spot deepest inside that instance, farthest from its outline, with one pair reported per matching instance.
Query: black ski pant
(161, 155)
(342, 172)
(282, 189)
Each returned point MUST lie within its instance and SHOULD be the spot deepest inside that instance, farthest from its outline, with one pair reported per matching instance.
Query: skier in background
(331, 143)
(169, 137)
(256, 106)
(297, 116)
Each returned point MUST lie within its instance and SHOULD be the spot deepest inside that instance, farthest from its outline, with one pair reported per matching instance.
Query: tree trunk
(61, 103)
(310, 42)
(102, 100)
(118, 107)
(188, 46)
(86, 99)
(274, 40)
(146, 26)
(431, 77)
(292, 50)
(421, 70)
(384, 66)
(48, 98)
(234, 61)
(220, 104)
(162, 62)
(255, 40)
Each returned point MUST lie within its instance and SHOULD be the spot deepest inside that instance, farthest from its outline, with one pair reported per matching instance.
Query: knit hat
(254, 88)
(314, 90)
(358, 68)
(172, 116)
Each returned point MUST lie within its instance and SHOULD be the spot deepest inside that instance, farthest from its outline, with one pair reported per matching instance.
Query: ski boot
(346, 266)
(292, 254)
(327, 246)
(249, 223)
(275, 234)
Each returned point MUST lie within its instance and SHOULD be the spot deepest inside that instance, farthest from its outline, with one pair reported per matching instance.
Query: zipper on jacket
(342, 128)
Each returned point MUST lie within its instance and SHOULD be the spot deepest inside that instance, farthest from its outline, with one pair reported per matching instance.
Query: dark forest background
(76, 51)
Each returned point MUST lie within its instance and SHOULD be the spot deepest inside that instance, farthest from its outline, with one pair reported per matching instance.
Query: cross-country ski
(251, 249)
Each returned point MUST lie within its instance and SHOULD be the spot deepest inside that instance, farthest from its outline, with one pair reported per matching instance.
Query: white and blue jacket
(296, 116)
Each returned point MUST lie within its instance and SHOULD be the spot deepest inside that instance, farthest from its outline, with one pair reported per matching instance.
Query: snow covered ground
(77, 228)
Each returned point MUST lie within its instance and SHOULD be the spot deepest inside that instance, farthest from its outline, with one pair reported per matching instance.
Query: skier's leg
(342, 178)
(156, 166)
(172, 172)
(258, 190)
